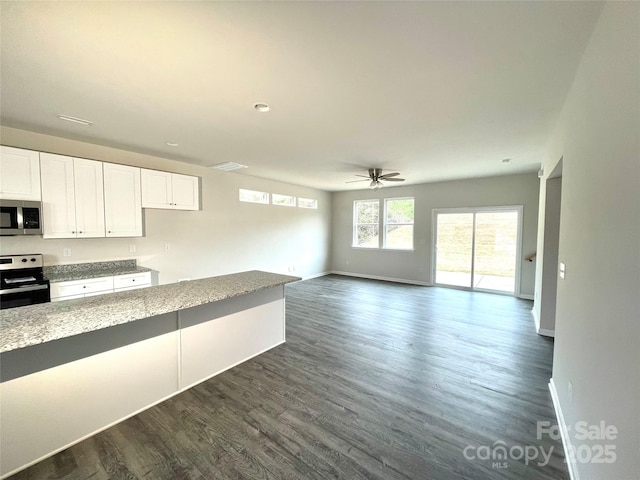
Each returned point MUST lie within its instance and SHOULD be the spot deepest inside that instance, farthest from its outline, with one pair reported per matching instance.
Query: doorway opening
(478, 248)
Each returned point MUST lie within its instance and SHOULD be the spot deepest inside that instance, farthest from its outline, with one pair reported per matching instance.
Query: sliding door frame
(474, 211)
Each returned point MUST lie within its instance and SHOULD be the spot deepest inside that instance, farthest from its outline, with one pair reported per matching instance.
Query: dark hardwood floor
(377, 380)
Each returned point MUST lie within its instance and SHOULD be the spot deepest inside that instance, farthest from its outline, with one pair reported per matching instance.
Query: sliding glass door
(478, 249)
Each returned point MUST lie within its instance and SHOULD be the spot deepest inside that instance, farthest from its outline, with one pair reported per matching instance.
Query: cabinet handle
(73, 231)
(80, 231)
(109, 231)
(84, 286)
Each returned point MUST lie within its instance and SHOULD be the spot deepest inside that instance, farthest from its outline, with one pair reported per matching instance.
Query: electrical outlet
(167, 246)
(132, 248)
(66, 252)
(570, 390)
(563, 269)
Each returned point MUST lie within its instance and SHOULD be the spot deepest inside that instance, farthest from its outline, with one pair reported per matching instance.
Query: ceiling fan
(375, 176)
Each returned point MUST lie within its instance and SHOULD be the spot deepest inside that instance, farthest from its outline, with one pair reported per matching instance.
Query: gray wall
(544, 308)
(225, 236)
(415, 266)
(597, 342)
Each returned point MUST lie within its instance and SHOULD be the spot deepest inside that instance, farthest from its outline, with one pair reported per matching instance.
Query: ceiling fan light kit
(375, 175)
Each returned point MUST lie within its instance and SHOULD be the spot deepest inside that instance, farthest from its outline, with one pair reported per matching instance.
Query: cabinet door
(89, 193)
(122, 200)
(185, 192)
(131, 281)
(156, 189)
(81, 288)
(58, 197)
(19, 174)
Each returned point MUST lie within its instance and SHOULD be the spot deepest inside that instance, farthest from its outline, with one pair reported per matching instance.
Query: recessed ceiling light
(261, 107)
(172, 144)
(506, 160)
(74, 119)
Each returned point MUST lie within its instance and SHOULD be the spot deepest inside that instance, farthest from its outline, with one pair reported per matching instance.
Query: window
(307, 202)
(366, 224)
(285, 200)
(253, 196)
(398, 223)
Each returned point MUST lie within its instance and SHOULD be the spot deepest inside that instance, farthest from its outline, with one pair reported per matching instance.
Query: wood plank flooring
(376, 381)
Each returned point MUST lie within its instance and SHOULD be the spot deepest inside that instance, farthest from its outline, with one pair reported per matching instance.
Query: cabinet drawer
(81, 287)
(134, 280)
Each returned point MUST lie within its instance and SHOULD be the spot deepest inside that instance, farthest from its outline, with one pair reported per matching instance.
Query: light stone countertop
(35, 324)
(84, 271)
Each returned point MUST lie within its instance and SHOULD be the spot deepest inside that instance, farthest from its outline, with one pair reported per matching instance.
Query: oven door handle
(27, 288)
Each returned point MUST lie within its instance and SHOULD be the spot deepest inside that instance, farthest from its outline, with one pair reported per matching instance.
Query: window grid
(366, 225)
(398, 223)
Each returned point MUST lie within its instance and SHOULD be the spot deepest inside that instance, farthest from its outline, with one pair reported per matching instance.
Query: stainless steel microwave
(19, 217)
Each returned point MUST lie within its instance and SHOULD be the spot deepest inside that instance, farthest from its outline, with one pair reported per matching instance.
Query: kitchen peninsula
(70, 369)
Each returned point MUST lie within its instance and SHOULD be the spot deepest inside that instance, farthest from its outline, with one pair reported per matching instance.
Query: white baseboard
(526, 296)
(316, 275)
(541, 331)
(546, 333)
(564, 433)
(386, 279)
(536, 317)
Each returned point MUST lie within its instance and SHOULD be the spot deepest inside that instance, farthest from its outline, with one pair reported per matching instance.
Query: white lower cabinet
(99, 286)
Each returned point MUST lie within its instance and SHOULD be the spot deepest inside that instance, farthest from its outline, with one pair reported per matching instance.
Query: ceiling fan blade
(387, 175)
(354, 181)
(393, 179)
(364, 176)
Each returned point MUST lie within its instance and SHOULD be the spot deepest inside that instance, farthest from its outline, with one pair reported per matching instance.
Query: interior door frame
(474, 210)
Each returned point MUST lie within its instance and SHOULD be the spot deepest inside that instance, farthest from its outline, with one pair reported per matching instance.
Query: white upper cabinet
(156, 189)
(19, 174)
(169, 190)
(72, 197)
(122, 201)
(185, 192)
(88, 182)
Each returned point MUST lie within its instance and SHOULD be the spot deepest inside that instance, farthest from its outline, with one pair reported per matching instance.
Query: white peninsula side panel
(48, 411)
(213, 346)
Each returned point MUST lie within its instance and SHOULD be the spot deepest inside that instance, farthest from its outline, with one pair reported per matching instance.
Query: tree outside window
(366, 224)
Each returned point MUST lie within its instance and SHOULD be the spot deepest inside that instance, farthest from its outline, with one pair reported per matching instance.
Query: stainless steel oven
(18, 217)
(22, 281)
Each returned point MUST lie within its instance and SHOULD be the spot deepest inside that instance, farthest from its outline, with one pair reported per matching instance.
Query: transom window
(253, 196)
(284, 200)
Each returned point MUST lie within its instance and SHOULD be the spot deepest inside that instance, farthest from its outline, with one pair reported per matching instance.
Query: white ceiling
(434, 90)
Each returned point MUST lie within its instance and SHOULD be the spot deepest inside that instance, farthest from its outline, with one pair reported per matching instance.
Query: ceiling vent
(228, 166)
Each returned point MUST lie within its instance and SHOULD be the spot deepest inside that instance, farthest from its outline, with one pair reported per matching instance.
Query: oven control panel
(14, 262)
